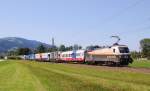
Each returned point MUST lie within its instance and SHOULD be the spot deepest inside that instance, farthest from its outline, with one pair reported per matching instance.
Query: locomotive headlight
(123, 56)
(126, 56)
(120, 56)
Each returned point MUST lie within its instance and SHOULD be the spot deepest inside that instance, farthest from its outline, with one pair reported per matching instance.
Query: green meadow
(44, 76)
(141, 63)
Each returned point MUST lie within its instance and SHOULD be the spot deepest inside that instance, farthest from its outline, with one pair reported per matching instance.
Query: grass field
(141, 63)
(40, 76)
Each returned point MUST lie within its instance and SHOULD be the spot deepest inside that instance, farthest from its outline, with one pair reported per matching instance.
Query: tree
(145, 47)
(41, 49)
(12, 52)
(77, 47)
(62, 48)
(53, 49)
(69, 48)
(80, 47)
(23, 51)
(135, 54)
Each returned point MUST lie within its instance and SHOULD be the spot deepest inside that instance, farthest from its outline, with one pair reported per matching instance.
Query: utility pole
(53, 42)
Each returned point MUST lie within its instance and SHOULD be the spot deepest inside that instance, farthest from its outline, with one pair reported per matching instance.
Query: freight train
(113, 55)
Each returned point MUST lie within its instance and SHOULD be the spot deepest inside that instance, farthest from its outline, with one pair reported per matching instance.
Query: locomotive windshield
(124, 49)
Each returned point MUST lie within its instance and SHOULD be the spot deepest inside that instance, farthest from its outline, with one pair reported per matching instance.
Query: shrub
(14, 57)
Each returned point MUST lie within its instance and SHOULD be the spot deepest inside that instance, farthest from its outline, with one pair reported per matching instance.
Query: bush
(1, 57)
(148, 58)
(14, 57)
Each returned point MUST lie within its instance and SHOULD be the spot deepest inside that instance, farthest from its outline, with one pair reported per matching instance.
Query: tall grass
(141, 63)
(38, 76)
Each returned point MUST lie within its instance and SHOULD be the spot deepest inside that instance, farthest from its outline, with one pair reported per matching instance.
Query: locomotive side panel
(99, 58)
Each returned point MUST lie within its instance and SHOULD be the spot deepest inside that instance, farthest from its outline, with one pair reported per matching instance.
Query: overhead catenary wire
(119, 13)
(125, 10)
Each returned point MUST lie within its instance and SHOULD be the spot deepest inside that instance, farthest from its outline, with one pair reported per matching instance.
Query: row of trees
(145, 50)
(136, 55)
(41, 49)
(145, 47)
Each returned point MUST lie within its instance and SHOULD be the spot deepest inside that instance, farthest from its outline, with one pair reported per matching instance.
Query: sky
(83, 22)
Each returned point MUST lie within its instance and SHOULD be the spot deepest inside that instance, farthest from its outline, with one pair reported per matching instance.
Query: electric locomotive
(113, 55)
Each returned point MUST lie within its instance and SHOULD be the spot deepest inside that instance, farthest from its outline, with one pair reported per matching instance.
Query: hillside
(16, 42)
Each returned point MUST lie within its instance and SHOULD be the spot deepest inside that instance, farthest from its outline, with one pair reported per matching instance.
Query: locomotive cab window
(124, 49)
(49, 55)
(114, 50)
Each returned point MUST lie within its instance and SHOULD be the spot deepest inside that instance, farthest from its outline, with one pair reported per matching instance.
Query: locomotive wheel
(116, 64)
(124, 63)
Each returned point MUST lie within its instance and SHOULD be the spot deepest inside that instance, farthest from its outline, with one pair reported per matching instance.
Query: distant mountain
(9, 43)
